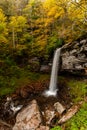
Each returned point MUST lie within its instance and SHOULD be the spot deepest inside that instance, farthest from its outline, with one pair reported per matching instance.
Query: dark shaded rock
(45, 69)
(34, 64)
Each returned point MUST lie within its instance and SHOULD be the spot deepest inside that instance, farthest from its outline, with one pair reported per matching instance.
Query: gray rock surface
(59, 107)
(49, 114)
(30, 118)
(74, 57)
(45, 68)
(68, 114)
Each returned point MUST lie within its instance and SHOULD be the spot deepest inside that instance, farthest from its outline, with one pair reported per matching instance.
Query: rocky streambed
(28, 109)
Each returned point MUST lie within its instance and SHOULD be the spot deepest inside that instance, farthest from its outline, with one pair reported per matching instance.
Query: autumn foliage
(42, 24)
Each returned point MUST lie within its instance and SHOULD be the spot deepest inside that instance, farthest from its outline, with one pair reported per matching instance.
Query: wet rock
(69, 114)
(29, 118)
(59, 107)
(14, 108)
(10, 108)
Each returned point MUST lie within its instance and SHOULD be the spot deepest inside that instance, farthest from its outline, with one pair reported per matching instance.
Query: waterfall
(54, 74)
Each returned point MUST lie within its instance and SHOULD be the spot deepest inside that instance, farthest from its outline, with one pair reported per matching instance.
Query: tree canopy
(42, 23)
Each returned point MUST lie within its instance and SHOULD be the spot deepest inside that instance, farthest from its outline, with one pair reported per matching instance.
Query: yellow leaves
(37, 32)
(76, 11)
(59, 14)
(52, 11)
(2, 16)
(17, 22)
(13, 21)
(48, 4)
(3, 28)
(76, 14)
(42, 40)
(3, 39)
(39, 21)
(21, 47)
(48, 21)
(21, 20)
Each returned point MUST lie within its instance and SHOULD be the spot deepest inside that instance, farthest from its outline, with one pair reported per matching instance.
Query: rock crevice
(74, 57)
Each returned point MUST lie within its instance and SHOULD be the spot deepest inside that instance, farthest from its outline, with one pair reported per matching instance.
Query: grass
(57, 128)
(4, 91)
(78, 90)
(79, 121)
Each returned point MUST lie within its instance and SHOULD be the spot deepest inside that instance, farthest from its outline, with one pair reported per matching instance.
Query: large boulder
(30, 118)
(74, 57)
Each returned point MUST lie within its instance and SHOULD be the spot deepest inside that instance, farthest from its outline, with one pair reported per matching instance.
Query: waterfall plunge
(54, 74)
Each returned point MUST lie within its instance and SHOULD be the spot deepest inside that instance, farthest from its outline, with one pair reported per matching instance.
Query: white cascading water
(54, 74)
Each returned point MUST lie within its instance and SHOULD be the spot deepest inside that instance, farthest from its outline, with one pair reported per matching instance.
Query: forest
(30, 32)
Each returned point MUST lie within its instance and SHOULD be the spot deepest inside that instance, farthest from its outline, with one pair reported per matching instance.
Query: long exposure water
(54, 74)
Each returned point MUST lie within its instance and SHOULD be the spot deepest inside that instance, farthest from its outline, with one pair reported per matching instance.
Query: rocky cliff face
(74, 57)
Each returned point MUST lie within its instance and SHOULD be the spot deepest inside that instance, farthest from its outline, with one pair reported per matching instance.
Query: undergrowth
(13, 77)
(57, 128)
(79, 121)
(78, 90)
